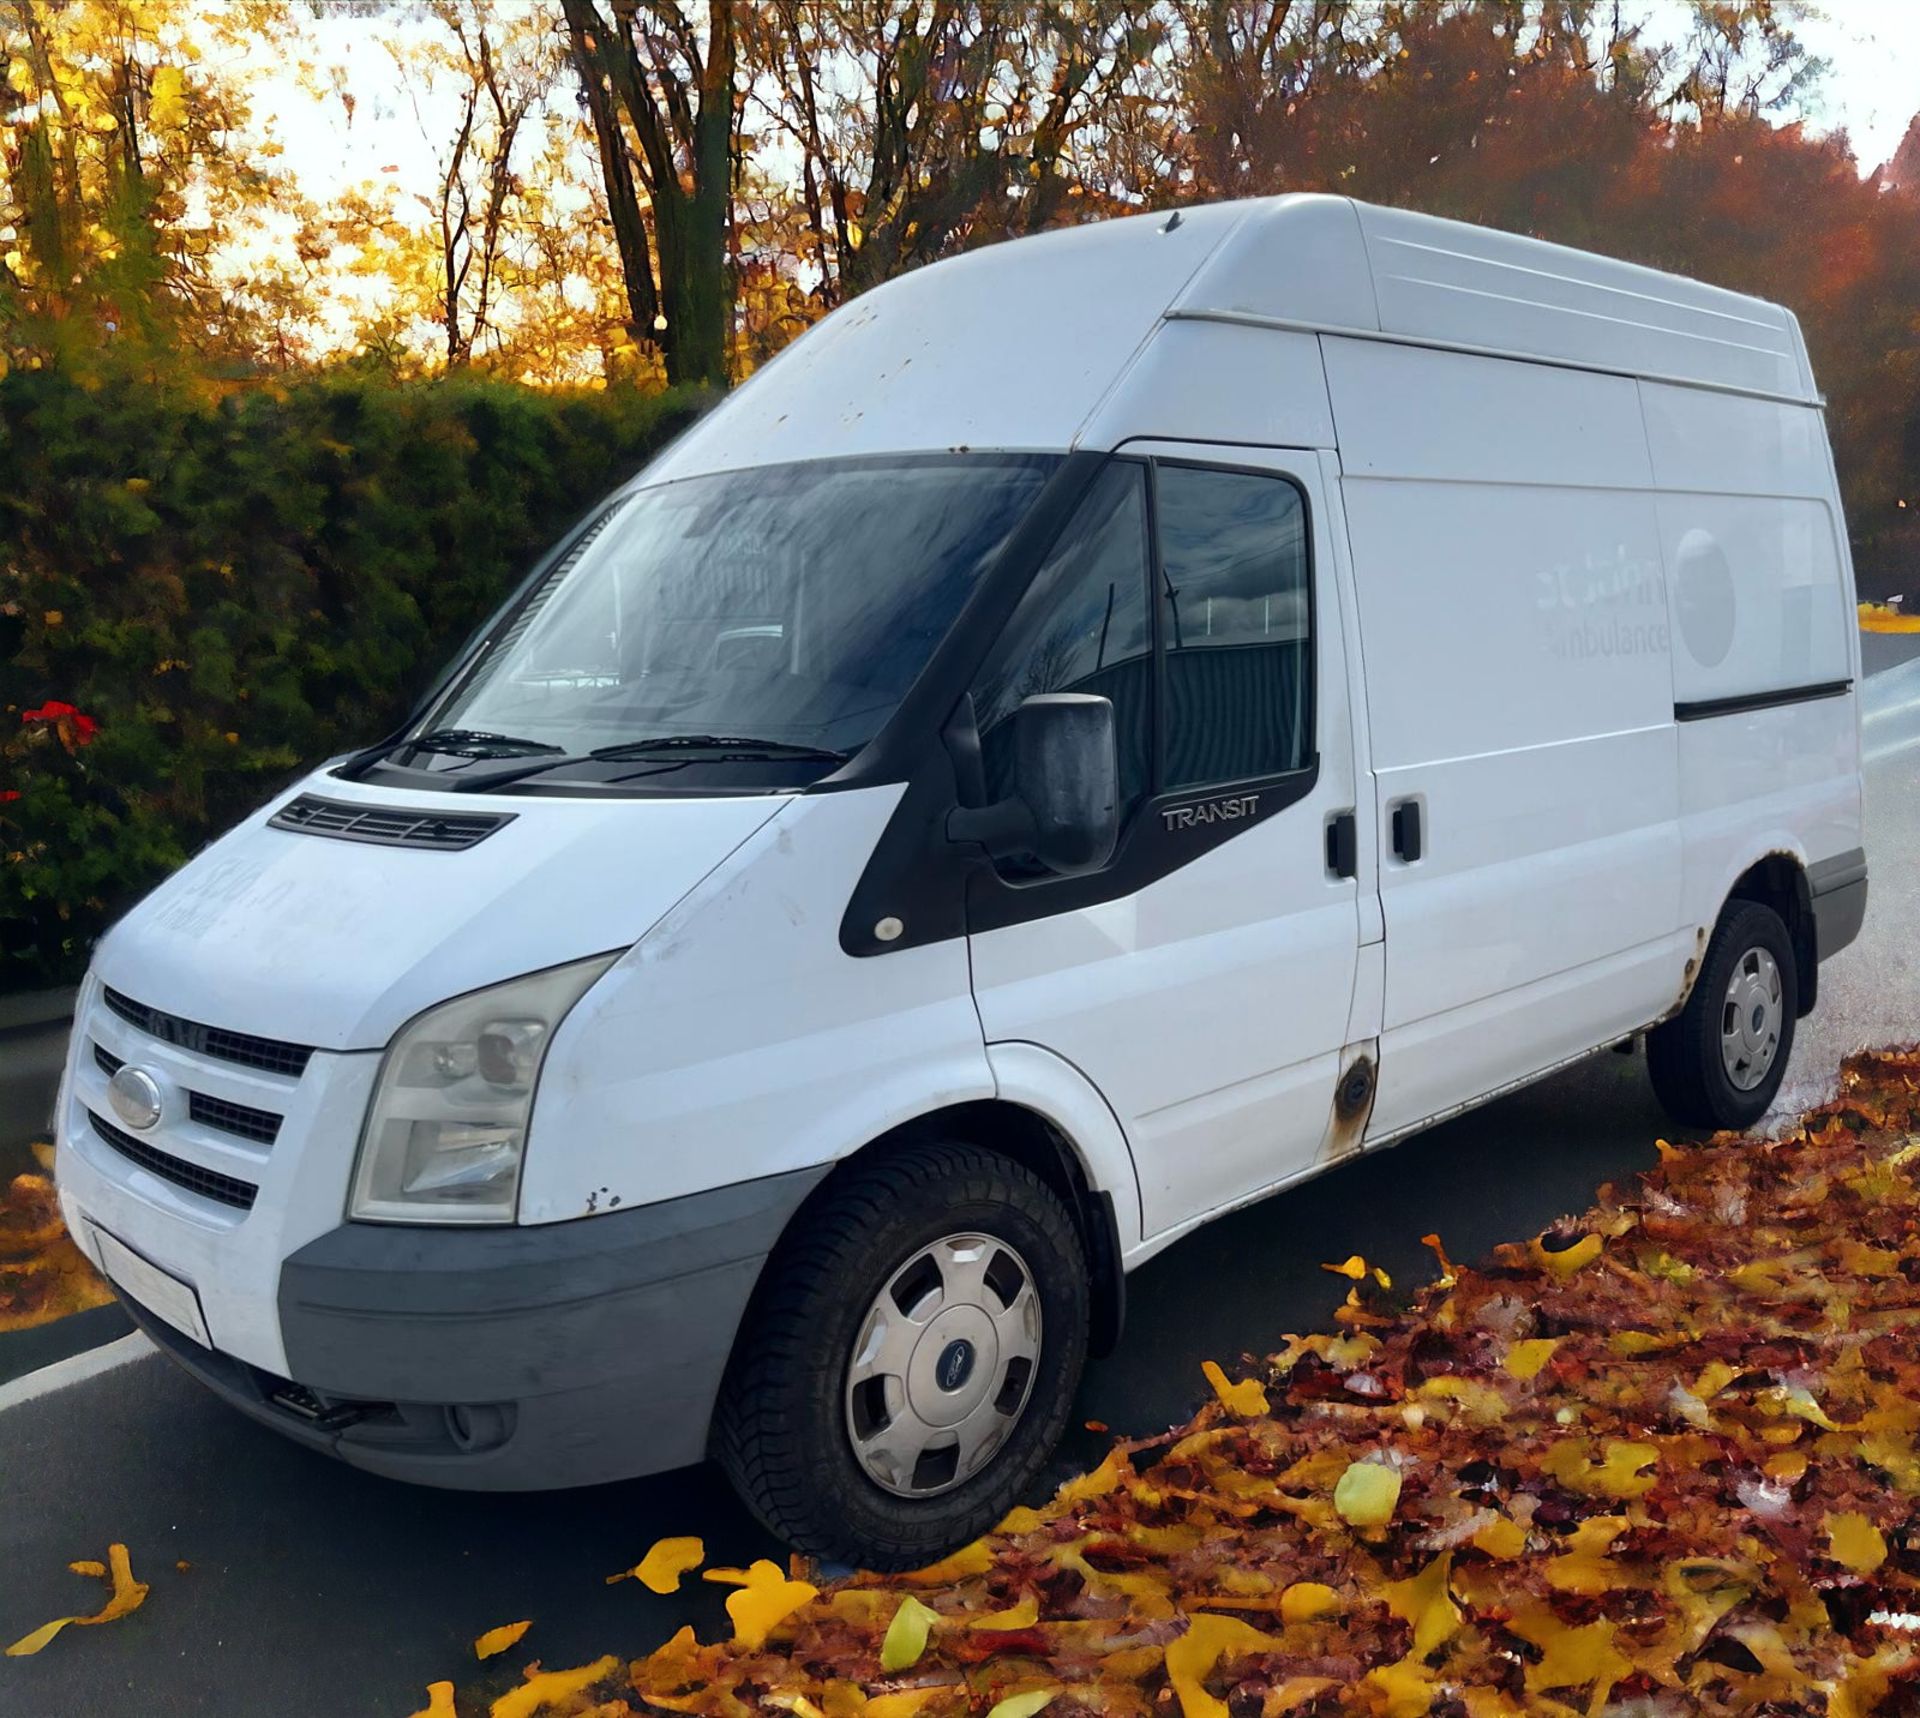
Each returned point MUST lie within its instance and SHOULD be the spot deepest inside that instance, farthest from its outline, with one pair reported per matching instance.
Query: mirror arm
(1003, 829)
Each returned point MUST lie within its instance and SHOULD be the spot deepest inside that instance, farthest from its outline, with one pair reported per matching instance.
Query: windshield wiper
(725, 745)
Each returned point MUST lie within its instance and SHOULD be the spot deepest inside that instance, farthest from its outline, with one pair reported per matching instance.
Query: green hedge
(198, 599)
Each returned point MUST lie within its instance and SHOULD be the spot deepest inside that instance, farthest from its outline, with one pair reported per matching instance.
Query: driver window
(1083, 626)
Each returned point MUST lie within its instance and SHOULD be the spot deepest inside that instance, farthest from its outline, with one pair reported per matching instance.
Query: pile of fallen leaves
(43, 1275)
(1661, 1459)
(1880, 617)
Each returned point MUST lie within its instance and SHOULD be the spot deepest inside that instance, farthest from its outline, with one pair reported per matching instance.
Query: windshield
(790, 606)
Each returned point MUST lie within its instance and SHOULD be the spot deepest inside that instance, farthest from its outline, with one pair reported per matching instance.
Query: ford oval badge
(135, 1096)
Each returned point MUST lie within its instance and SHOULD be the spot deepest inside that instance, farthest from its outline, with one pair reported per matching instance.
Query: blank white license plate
(164, 1296)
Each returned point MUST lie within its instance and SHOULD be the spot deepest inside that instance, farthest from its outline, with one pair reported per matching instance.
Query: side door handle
(1343, 845)
(1407, 832)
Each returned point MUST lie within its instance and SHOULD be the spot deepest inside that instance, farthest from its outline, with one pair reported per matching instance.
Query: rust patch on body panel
(1352, 1106)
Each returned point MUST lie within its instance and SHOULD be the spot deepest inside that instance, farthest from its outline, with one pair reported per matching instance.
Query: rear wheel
(911, 1358)
(1719, 1062)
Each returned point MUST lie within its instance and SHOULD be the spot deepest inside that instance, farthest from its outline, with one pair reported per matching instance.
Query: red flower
(7, 793)
(75, 727)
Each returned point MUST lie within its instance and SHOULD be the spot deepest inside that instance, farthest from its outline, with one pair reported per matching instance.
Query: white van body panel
(1053, 1088)
(1513, 619)
(738, 1041)
(928, 361)
(337, 944)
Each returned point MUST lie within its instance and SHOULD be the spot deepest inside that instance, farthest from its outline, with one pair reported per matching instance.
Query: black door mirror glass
(1065, 805)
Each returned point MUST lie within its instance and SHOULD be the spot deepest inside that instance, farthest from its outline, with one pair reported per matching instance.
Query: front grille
(208, 1183)
(262, 1126)
(270, 1054)
(387, 825)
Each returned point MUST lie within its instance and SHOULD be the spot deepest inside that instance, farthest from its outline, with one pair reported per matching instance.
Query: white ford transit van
(1098, 731)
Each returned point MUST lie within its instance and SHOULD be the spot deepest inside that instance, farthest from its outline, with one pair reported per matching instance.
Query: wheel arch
(1026, 1136)
(1778, 880)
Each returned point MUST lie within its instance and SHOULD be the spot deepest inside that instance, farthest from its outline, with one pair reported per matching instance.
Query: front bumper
(512, 1359)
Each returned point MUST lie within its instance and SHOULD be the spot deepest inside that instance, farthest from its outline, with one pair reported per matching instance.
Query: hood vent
(387, 825)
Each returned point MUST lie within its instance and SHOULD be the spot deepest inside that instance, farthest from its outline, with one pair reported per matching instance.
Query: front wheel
(911, 1357)
(1719, 1062)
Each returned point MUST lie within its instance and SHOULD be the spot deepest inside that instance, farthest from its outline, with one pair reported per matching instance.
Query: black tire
(1685, 1055)
(783, 1428)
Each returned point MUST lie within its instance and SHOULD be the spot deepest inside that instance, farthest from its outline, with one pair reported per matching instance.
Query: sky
(1873, 86)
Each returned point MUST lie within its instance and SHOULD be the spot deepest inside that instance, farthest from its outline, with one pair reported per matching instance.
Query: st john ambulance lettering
(1211, 811)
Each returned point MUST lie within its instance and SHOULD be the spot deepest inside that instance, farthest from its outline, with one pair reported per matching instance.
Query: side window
(1233, 549)
(1083, 626)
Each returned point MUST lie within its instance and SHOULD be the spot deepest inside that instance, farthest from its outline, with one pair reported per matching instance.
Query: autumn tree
(923, 126)
(663, 101)
(125, 195)
(481, 78)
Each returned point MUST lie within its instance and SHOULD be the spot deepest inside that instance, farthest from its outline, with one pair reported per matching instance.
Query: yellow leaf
(1245, 1398)
(549, 1688)
(1524, 1359)
(1503, 1538)
(1367, 1494)
(127, 1596)
(907, 1634)
(166, 104)
(439, 1702)
(1354, 1267)
(974, 1559)
(719, 1576)
(1567, 1260)
(764, 1603)
(1854, 1541)
(1196, 1652)
(1402, 1690)
(1104, 1479)
(28, 1644)
(1021, 1616)
(1424, 1601)
(662, 1567)
(1021, 1705)
(1617, 1475)
(53, 617)
(1571, 1657)
(902, 1705)
(496, 1641)
(1479, 1403)
(1308, 1601)
(1585, 1567)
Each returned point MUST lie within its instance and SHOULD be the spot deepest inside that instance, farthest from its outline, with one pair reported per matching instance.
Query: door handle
(1407, 845)
(1343, 845)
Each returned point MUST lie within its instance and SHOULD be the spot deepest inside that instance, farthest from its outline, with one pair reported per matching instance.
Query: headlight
(448, 1123)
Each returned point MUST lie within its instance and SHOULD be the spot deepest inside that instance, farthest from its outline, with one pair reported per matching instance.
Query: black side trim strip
(1704, 709)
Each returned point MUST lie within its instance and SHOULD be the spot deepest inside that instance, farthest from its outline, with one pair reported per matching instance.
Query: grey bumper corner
(515, 1359)
(1839, 890)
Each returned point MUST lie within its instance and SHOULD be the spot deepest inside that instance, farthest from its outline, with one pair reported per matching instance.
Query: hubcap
(943, 1365)
(1751, 1018)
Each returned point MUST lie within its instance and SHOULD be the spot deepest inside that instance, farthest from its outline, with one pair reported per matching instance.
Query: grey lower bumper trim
(581, 1351)
(1837, 917)
(1839, 889)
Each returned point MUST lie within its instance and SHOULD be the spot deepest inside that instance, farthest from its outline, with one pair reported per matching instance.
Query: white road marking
(75, 1369)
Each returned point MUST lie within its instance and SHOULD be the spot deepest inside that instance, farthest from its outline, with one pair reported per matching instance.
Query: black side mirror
(1065, 804)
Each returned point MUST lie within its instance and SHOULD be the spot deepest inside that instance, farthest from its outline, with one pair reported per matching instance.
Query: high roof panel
(1326, 262)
